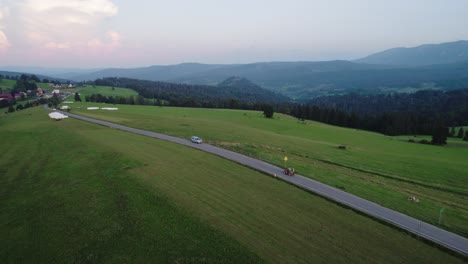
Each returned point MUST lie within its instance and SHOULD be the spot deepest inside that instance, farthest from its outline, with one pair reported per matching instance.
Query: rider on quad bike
(289, 171)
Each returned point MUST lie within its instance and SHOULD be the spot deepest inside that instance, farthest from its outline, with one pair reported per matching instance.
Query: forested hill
(233, 88)
(450, 106)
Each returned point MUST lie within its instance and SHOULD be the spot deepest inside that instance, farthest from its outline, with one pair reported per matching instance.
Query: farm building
(6, 96)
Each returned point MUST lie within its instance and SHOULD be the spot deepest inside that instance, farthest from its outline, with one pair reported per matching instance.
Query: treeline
(393, 123)
(130, 100)
(393, 114)
(197, 95)
(26, 82)
(19, 107)
(187, 102)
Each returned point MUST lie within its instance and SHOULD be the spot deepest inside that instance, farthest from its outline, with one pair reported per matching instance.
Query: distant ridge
(429, 54)
(151, 73)
(40, 76)
(198, 73)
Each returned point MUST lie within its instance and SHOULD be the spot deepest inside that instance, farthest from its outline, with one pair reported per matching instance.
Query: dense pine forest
(393, 114)
(235, 89)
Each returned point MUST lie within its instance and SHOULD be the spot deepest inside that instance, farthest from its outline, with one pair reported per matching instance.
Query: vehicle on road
(196, 139)
(289, 171)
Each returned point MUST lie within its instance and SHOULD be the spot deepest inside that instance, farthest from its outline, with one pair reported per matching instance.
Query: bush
(342, 147)
(424, 141)
(268, 111)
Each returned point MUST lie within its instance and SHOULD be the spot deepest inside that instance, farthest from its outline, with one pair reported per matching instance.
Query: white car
(196, 139)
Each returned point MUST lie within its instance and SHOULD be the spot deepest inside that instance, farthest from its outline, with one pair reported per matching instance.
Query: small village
(28, 91)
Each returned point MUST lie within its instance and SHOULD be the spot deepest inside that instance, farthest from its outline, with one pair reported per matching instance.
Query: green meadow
(383, 169)
(71, 191)
(7, 85)
(106, 91)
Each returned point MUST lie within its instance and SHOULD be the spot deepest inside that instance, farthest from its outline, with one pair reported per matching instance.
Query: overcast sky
(129, 33)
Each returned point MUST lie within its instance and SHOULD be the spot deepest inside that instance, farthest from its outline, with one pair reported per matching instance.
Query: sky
(134, 33)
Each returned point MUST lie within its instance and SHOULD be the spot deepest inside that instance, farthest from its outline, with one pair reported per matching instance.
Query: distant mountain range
(435, 66)
(56, 72)
(40, 76)
(197, 73)
(445, 53)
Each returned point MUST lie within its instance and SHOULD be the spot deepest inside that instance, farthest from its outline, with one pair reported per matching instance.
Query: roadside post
(440, 214)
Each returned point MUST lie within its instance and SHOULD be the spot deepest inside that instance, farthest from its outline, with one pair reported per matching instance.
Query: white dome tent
(57, 116)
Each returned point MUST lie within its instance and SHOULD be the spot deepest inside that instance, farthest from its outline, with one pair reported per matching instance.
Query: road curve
(435, 234)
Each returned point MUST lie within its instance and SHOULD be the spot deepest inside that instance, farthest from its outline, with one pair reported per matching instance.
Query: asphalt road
(440, 236)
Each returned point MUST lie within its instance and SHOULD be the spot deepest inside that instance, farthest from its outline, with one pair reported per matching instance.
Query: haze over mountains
(434, 66)
(429, 54)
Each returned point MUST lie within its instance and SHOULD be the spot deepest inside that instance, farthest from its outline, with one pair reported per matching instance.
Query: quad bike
(289, 171)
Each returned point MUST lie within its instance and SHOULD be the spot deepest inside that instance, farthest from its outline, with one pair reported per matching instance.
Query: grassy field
(451, 141)
(52, 211)
(77, 192)
(7, 85)
(106, 91)
(383, 169)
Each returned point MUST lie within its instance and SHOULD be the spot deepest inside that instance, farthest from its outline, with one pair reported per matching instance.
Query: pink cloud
(90, 7)
(4, 43)
(74, 25)
(114, 36)
(109, 43)
(57, 46)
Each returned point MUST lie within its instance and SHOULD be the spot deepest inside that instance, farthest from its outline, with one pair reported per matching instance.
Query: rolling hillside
(383, 169)
(147, 201)
(40, 76)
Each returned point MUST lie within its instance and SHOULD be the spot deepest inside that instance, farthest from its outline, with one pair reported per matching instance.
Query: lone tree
(54, 100)
(452, 132)
(268, 111)
(460, 133)
(439, 134)
(77, 97)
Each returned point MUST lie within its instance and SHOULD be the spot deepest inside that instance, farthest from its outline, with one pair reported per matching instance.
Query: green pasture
(7, 85)
(451, 141)
(72, 191)
(383, 169)
(53, 210)
(106, 91)
(45, 85)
